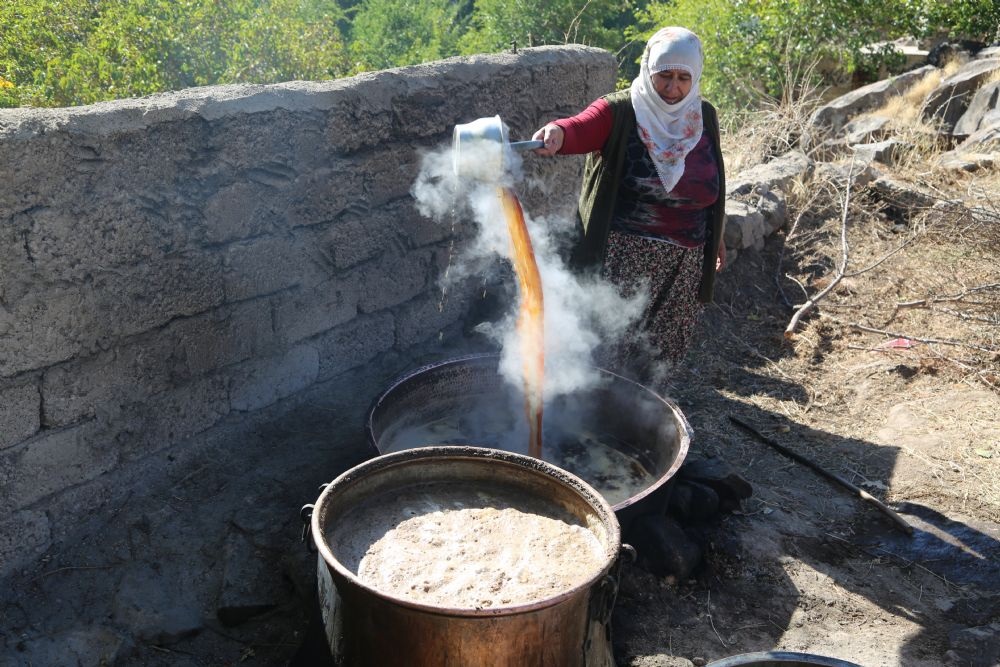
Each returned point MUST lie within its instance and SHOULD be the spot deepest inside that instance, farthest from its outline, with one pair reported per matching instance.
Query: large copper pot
(367, 627)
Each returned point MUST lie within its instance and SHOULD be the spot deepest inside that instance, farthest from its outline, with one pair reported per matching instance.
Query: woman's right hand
(552, 135)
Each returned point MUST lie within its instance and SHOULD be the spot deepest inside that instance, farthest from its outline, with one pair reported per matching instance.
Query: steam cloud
(581, 313)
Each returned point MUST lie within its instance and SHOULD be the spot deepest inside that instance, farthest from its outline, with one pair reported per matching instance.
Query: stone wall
(170, 261)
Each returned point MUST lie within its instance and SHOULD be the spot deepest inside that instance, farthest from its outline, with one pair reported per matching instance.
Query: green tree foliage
(32, 33)
(392, 33)
(752, 45)
(494, 24)
(973, 19)
(66, 52)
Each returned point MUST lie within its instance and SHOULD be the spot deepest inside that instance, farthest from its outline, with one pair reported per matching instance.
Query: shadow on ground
(805, 565)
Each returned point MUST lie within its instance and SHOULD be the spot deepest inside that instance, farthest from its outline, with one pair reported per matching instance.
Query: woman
(652, 204)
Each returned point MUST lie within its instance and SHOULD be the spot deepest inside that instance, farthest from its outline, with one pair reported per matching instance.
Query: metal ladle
(481, 149)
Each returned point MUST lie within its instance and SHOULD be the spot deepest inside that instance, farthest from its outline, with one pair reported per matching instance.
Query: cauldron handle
(597, 646)
(305, 514)
(603, 601)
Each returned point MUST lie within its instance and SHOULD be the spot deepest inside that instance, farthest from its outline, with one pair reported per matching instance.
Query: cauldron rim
(685, 432)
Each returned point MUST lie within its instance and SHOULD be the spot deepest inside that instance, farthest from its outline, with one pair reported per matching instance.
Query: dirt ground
(159, 576)
(804, 565)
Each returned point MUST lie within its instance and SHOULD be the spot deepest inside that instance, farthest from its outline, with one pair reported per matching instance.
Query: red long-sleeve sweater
(587, 131)
(643, 207)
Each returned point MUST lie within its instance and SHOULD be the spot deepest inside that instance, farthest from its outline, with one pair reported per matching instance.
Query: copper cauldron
(368, 627)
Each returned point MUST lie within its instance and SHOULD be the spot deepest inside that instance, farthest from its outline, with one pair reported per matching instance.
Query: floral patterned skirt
(671, 275)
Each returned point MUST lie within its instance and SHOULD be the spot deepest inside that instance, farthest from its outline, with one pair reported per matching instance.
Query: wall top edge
(216, 102)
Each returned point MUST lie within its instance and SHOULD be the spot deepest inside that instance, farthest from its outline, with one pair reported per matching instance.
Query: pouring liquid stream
(530, 319)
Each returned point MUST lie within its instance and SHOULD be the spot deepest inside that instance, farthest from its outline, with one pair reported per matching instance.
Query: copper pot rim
(590, 495)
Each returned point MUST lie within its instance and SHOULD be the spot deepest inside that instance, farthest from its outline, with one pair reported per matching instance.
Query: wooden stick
(948, 297)
(864, 495)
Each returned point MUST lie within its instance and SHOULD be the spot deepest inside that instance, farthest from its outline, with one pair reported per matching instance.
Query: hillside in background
(75, 52)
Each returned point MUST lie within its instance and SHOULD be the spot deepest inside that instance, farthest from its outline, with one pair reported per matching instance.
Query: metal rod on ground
(864, 495)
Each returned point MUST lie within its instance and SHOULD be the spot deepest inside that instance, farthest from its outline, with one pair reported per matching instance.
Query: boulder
(967, 161)
(867, 128)
(949, 101)
(831, 118)
(984, 140)
(777, 174)
(984, 104)
(774, 208)
(947, 52)
(902, 199)
(953, 209)
(886, 152)
(829, 150)
(861, 171)
(908, 50)
(744, 227)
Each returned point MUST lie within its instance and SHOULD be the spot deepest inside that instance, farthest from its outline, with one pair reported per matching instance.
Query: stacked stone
(173, 262)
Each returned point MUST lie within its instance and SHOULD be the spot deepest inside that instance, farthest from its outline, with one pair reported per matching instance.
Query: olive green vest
(603, 172)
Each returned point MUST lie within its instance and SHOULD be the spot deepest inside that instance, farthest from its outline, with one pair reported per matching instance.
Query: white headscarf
(669, 131)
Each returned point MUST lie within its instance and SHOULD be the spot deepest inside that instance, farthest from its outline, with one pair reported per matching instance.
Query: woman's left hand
(720, 261)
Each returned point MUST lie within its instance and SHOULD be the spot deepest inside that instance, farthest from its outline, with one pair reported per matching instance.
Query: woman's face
(672, 85)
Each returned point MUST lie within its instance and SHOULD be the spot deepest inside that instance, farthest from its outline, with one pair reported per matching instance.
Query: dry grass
(775, 126)
(927, 275)
(915, 323)
(931, 281)
(905, 108)
(910, 421)
(919, 306)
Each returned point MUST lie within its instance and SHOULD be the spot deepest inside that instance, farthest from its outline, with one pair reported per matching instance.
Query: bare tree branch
(982, 374)
(995, 319)
(802, 287)
(781, 254)
(949, 297)
(574, 25)
(844, 249)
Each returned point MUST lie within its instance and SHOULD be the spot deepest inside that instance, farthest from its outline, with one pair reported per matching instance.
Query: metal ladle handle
(526, 145)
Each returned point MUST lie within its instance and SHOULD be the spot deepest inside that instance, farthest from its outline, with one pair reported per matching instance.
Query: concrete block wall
(167, 262)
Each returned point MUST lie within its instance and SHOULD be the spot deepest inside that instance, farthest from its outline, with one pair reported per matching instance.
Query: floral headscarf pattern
(669, 131)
